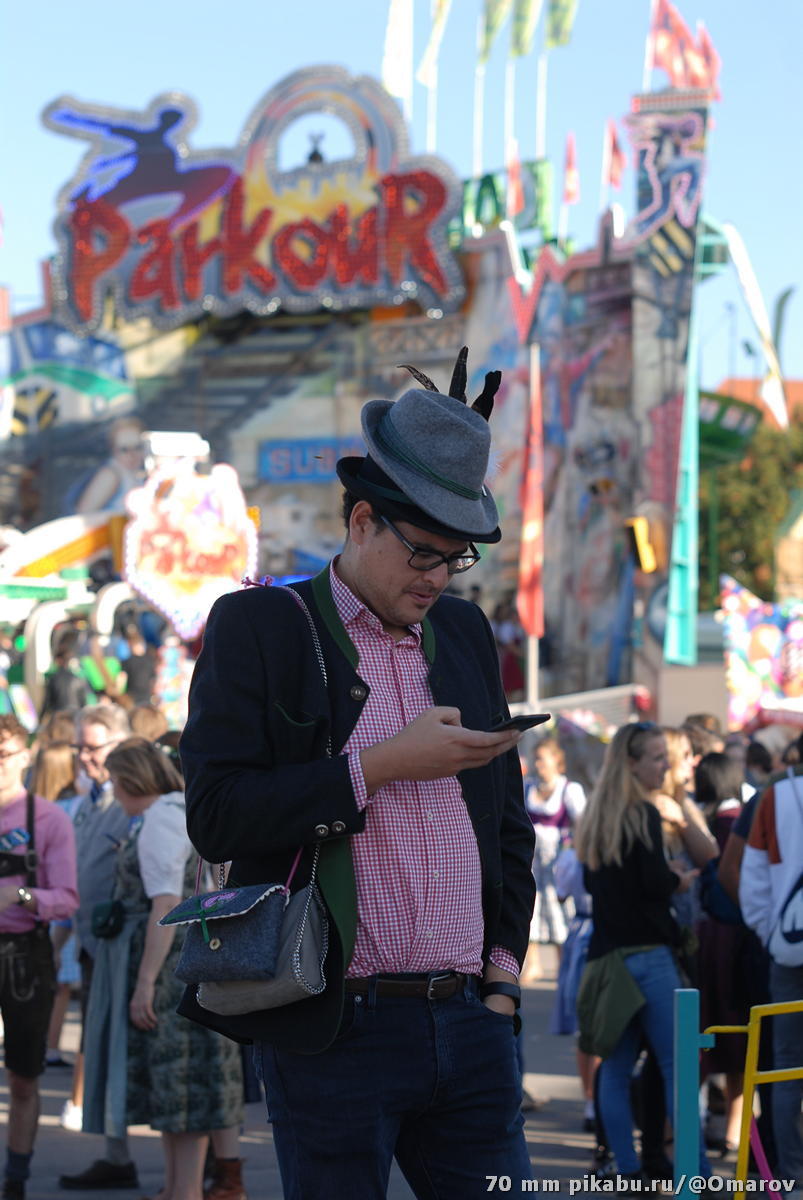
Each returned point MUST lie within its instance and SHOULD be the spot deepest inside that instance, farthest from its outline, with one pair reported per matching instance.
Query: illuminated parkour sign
(173, 233)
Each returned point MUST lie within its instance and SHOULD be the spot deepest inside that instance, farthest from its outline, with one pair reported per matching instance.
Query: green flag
(525, 20)
(494, 15)
(559, 21)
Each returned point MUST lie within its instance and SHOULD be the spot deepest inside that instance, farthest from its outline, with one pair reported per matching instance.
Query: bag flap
(212, 906)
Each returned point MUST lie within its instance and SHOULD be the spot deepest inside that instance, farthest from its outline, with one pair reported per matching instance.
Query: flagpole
(605, 177)
(510, 103)
(432, 93)
(479, 102)
(540, 106)
(649, 50)
(563, 222)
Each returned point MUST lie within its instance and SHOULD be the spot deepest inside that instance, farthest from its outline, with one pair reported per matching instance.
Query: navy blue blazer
(259, 783)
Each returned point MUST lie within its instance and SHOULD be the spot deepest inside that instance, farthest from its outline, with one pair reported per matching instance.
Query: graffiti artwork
(174, 233)
(55, 375)
(612, 330)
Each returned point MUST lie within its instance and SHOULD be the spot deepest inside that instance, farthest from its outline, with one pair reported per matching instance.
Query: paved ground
(558, 1147)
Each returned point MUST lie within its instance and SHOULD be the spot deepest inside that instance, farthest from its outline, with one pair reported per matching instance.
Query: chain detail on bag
(316, 641)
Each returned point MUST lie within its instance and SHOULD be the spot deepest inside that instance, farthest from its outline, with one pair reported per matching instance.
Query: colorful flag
(428, 69)
(559, 21)
(615, 157)
(689, 63)
(525, 20)
(668, 39)
(515, 190)
(494, 15)
(397, 61)
(571, 176)
(712, 60)
(530, 598)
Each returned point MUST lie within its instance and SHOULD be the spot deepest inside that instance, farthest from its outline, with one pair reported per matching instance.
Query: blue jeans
(656, 974)
(434, 1083)
(786, 983)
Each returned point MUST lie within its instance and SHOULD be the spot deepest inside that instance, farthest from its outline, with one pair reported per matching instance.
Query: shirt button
(321, 831)
(430, 816)
(429, 933)
(436, 874)
(338, 827)
(358, 692)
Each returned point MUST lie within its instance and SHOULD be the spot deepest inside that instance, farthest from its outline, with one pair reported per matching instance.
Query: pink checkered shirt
(416, 864)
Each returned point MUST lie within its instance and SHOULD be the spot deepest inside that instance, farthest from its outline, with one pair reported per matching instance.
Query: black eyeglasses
(428, 560)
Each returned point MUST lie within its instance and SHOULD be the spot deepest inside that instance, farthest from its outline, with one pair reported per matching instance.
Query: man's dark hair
(349, 500)
(759, 756)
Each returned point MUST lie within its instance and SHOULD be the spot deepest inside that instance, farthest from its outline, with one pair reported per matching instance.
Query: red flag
(689, 63)
(515, 190)
(571, 176)
(615, 156)
(530, 598)
(666, 50)
(712, 60)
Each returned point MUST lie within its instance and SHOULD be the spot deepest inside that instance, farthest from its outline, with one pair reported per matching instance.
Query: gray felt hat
(435, 449)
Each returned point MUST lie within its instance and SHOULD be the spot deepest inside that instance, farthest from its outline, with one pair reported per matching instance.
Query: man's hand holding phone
(433, 746)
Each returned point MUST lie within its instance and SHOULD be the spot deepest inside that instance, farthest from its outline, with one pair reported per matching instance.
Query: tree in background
(753, 501)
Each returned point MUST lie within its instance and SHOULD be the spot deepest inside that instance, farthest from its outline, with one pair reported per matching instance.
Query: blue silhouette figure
(148, 165)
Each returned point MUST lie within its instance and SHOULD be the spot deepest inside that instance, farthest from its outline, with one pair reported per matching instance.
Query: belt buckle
(436, 979)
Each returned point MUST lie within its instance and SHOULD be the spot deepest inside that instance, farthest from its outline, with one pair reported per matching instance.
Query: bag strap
(30, 856)
(316, 641)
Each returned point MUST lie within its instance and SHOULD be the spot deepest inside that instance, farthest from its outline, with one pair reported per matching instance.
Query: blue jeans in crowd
(433, 1083)
(786, 983)
(657, 976)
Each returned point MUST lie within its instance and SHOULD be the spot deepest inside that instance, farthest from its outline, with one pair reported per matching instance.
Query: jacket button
(338, 827)
(322, 831)
(358, 692)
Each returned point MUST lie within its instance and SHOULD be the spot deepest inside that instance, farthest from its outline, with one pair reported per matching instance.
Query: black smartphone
(525, 721)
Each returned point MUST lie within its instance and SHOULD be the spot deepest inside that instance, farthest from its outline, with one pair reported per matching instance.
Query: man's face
(399, 594)
(95, 742)
(14, 761)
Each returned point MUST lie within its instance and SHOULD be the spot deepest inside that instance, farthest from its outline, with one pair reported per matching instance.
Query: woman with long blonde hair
(686, 836)
(631, 884)
(54, 776)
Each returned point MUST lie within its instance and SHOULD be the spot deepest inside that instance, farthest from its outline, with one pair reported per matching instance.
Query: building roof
(749, 390)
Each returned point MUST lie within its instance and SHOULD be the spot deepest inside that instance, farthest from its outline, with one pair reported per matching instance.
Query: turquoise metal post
(686, 1117)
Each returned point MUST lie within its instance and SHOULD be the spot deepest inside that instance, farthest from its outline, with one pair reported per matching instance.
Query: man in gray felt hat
(425, 847)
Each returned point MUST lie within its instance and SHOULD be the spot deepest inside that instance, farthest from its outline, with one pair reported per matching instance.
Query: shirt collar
(353, 613)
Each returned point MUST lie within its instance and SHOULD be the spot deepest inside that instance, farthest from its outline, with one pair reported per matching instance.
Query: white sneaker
(72, 1117)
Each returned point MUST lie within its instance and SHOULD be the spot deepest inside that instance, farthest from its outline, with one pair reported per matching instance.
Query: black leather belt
(437, 985)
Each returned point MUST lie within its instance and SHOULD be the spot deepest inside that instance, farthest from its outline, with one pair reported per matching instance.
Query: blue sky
(226, 56)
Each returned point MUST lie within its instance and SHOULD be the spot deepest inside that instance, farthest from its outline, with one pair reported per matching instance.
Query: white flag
(428, 69)
(397, 61)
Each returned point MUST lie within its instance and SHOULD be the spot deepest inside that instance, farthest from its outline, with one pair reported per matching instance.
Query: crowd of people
(622, 877)
(102, 853)
(351, 735)
(650, 878)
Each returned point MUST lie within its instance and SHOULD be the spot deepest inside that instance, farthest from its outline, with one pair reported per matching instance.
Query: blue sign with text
(306, 460)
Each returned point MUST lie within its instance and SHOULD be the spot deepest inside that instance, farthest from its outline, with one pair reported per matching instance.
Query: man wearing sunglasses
(425, 847)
